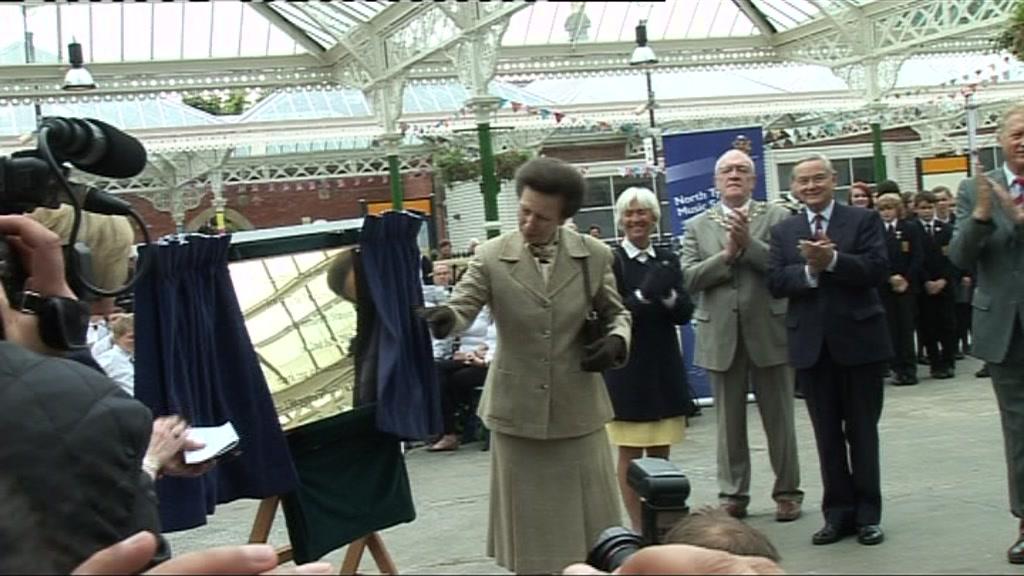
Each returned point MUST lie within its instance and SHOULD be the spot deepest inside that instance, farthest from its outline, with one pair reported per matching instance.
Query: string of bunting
(966, 83)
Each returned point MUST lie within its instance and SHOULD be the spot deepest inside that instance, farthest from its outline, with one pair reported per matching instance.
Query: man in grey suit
(741, 335)
(989, 238)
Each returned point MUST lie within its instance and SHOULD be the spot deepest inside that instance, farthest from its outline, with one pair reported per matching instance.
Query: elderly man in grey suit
(741, 336)
(989, 237)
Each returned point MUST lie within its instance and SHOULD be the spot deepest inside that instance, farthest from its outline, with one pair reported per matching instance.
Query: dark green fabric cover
(352, 481)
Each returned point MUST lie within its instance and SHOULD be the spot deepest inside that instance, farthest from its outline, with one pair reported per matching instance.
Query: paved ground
(943, 480)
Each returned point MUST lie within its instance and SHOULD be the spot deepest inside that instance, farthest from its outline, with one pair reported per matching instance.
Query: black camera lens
(613, 546)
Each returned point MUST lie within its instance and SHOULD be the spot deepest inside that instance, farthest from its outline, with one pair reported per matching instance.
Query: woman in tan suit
(552, 479)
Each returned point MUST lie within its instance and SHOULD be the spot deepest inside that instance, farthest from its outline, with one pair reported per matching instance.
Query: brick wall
(285, 204)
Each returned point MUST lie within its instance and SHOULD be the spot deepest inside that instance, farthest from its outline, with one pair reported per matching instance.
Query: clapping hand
(737, 234)
(818, 253)
(985, 189)
(661, 278)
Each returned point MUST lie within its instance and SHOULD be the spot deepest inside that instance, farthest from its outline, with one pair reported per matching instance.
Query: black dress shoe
(830, 533)
(983, 373)
(942, 374)
(870, 535)
(1016, 552)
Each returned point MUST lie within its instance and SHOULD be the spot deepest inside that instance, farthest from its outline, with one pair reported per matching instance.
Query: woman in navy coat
(650, 394)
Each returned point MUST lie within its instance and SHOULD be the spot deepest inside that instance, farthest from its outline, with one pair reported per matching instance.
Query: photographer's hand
(41, 255)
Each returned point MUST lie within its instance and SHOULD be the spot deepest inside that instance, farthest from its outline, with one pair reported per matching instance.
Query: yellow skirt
(645, 434)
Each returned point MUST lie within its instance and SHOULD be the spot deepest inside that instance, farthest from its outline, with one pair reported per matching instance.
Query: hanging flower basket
(454, 165)
(506, 163)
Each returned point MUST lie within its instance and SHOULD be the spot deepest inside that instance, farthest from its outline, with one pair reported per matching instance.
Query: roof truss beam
(757, 17)
(293, 31)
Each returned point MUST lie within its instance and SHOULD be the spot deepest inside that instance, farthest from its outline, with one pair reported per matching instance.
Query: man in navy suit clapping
(829, 261)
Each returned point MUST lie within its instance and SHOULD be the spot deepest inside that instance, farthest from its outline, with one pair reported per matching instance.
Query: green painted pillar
(484, 107)
(876, 146)
(488, 178)
(391, 142)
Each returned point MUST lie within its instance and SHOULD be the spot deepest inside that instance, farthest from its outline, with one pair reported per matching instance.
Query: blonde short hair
(890, 200)
(122, 325)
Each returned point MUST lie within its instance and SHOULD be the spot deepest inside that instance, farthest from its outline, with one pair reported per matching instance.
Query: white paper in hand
(219, 440)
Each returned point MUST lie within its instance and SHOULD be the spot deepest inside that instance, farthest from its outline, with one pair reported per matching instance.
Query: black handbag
(593, 328)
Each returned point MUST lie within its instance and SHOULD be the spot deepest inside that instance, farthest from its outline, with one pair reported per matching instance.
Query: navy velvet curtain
(194, 358)
(408, 397)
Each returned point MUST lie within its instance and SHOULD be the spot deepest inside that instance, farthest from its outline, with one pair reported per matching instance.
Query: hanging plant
(1012, 37)
(507, 162)
(454, 165)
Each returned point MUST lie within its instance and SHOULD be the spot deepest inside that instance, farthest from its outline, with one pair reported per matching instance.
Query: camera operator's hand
(131, 555)
(440, 318)
(41, 255)
(684, 559)
(660, 280)
(608, 352)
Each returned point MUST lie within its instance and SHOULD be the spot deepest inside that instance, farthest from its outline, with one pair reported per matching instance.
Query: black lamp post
(643, 55)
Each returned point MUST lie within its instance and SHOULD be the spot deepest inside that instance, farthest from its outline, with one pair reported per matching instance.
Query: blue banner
(690, 179)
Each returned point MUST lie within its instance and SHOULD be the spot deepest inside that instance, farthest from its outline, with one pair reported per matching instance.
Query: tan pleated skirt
(550, 499)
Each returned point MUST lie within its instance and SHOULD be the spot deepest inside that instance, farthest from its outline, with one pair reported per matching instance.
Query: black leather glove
(606, 353)
(660, 279)
(441, 320)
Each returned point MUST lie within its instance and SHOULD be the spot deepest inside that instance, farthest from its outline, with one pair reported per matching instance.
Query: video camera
(31, 179)
(663, 490)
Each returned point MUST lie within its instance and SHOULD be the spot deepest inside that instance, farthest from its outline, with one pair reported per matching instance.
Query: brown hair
(553, 177)
(713, 528)
(924, 196)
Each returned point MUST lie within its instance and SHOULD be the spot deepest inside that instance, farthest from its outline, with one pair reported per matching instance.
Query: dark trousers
(938, 328)
(963, 325)
(845, 403)
(900, 310)
(1008, 383)
(457, 382)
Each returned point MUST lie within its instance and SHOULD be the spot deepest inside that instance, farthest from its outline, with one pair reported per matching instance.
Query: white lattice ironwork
(897, 28)
(186, 170)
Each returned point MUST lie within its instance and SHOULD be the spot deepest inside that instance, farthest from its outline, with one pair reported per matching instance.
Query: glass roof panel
(326, 22)
(562, 23)
(139, 32)
(787, 14)
(125, 114)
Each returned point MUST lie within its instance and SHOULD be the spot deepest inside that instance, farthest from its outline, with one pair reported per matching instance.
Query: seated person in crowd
(119, 360)
(436, 294)
(464, 371)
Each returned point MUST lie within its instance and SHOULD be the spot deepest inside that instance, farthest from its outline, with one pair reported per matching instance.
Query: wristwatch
(63, 322)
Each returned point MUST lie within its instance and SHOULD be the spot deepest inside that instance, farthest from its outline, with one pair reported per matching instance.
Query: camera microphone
(94, 146)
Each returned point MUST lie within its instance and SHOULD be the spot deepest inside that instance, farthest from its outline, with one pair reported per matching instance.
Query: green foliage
(1011, 38)
(454, 166)
(233, 102)
(507, 162)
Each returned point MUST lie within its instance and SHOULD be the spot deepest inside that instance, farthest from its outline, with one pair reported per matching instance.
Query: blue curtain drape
(194, 358)
(408, 398)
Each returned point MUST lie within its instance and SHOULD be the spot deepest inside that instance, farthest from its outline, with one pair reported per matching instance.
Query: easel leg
(354, 555)
(263, 523)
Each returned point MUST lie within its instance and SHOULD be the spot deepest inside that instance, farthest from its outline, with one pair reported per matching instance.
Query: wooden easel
(353, 555)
